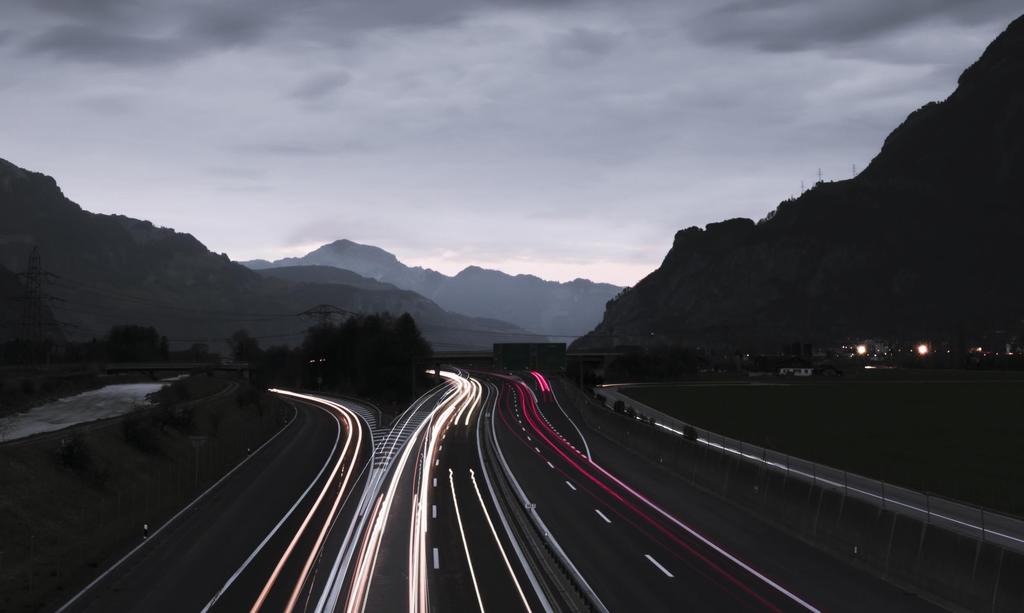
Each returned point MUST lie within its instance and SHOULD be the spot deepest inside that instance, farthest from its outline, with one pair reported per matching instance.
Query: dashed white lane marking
(437, 562)
(437, 462)
(571, 485)
(655, 562)
(435, 481)
(551, 465)
(603, 516)
(433, 511)
(538, 449)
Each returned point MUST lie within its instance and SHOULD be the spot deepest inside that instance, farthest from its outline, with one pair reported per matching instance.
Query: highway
(254, 540)
(486, 494)
(644, 539)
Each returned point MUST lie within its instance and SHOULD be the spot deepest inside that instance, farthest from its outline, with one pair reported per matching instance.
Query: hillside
(112, 269)
(547, 307)
(324, 274)
(924, 244)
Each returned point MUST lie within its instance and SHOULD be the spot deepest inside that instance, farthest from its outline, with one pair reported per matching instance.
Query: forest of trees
(373, 356)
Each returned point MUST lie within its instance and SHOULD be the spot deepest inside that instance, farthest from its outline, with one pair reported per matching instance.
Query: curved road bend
(220, 552)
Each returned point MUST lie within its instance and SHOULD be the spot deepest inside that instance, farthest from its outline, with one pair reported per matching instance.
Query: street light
(922, 349)
(862, 349)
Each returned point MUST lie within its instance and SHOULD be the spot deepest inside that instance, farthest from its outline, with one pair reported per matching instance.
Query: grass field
(960, 439)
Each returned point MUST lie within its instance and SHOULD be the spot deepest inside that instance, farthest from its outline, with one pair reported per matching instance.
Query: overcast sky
(561, 138)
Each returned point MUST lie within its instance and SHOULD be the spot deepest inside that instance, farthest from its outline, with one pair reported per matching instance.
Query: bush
(249, 397)
(74, 454)
(142, 434)
(181, 419)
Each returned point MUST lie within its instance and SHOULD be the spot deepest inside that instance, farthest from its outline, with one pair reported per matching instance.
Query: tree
(244, 348)
(133, 344)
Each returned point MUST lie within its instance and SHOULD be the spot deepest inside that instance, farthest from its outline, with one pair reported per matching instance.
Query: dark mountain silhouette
(546, 307)
(324, 274)
(113, 269)
(925, 243)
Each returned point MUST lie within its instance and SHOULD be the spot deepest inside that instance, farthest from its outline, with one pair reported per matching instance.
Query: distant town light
(862, 349)
(922, 349)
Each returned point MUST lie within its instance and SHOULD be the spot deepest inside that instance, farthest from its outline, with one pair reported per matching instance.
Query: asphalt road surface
(335, 514)
(644, 539)
(228, 544)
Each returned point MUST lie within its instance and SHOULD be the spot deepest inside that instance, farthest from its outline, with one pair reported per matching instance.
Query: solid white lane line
(571, 485)
(551, 465)
(501, 548)
(465, 544)
(602, 515)
(437, 562)
(433, 511)
(660, 567)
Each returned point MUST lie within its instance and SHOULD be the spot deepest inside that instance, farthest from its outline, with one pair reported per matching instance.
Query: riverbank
(74, 503)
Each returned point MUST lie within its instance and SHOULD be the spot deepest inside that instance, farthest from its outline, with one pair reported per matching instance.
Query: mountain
(924, 244)
(324, 274)
(547, 307)
(112, 269)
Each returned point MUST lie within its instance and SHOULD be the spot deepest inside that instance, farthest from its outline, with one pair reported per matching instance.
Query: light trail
(354, 544)
(444, 416)
(353, 430)
(537, 422)
(429, 433)
(495, 395)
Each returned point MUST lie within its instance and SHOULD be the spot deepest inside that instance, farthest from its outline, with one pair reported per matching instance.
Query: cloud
(95, 44)
(320, 86)
(112, 103)
(228, 26)
(562, 138)
(796, 25)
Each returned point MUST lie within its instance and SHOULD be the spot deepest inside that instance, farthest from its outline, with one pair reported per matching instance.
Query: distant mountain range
(927, 242)
(111, 269)
(563, 310)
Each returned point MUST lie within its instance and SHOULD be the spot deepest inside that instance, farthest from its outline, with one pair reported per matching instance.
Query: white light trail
(353, 430)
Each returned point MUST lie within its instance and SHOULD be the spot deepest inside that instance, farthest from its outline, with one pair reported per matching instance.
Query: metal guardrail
(977, 522)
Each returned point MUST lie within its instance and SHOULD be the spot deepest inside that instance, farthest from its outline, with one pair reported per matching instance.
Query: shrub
(74, 454)
(142, 434)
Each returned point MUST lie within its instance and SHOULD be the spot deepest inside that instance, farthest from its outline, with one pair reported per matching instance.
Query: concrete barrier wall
(953, 567)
